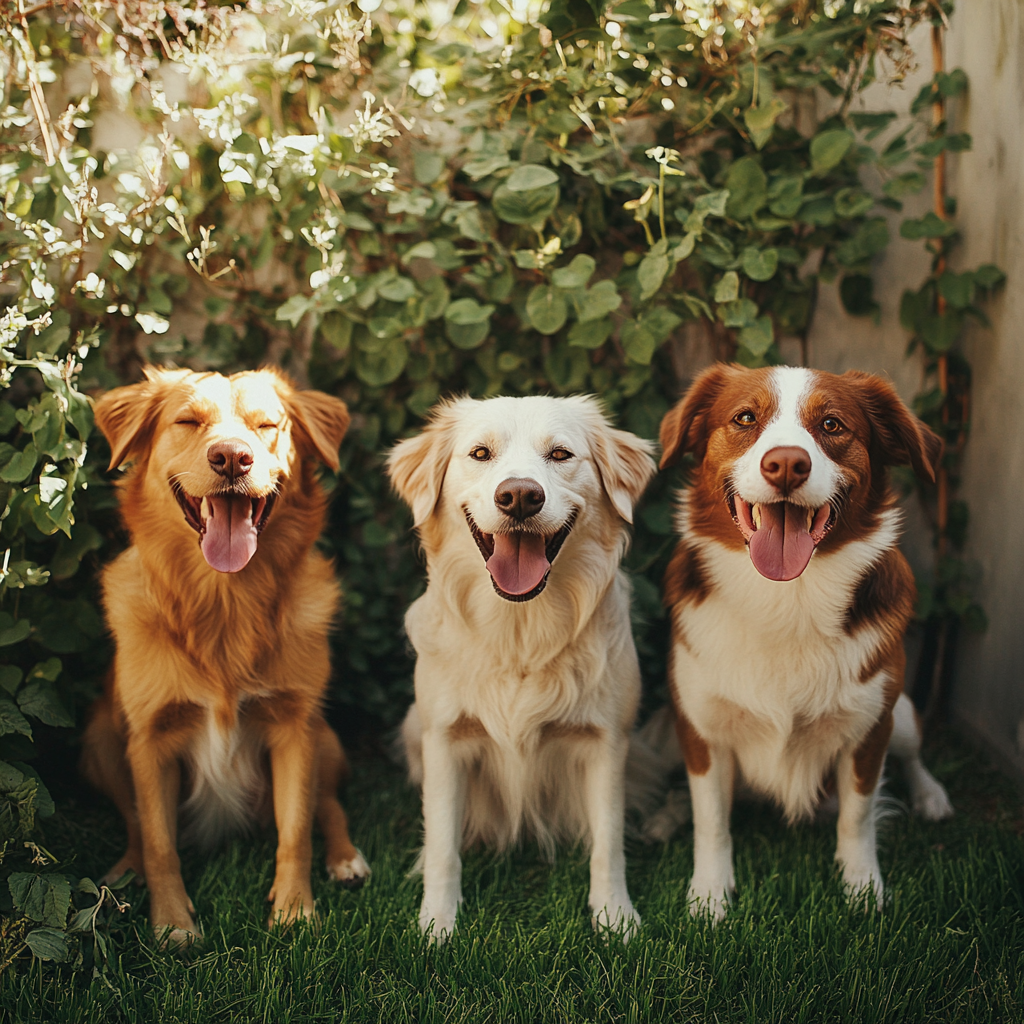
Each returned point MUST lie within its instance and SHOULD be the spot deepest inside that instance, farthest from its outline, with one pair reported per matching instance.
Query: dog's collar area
(196, 516)
(781, 536)
(485, 542)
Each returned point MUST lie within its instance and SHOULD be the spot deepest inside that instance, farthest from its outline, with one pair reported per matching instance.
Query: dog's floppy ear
(625, 464)
(899, 435)
(684, 427)
(417, 465)
(323, 419)
(126, 416)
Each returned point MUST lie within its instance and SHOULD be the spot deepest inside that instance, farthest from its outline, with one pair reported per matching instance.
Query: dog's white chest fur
(768, 669)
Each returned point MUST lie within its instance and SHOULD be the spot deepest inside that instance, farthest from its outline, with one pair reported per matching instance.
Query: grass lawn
(949, 945)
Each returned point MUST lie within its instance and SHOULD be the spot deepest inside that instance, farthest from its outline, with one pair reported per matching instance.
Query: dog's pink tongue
(230, 538)
(519, 562)
(781, 547)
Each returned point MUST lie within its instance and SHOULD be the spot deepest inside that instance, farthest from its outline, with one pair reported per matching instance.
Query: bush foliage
(395, 202)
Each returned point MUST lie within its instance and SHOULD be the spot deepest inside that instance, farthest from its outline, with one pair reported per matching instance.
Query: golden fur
(219, 676)
(524, 705)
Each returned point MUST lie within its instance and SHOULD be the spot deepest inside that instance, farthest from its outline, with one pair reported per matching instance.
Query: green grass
(949, 945)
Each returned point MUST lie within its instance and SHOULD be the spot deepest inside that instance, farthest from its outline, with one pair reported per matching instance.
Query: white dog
(526, 675)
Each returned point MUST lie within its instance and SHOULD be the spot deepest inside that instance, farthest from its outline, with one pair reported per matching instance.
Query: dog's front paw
(290, 906)
(709, 897)
(619, 919)
(351, 873)
(931, 801)
(438, 923)
(176, 928)
(863, 884)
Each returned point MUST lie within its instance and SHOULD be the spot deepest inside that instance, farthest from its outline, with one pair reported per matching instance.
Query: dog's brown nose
(232, 458)
(519, 498)
(786, 468)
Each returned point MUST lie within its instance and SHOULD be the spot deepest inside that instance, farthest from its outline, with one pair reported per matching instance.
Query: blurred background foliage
(396, 201)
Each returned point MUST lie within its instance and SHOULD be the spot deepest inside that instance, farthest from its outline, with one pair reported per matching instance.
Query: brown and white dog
(527, 679)
(789, 600)
(220, 610)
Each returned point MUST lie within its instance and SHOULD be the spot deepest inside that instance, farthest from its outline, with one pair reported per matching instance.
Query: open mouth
(228, 524)
(781, 536)
(519, 562)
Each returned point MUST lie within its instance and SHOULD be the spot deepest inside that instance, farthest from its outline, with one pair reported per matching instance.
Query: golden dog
(221, 610)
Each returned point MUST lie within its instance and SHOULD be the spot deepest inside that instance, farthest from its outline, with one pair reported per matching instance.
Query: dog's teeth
(755, 512)
(205, 511)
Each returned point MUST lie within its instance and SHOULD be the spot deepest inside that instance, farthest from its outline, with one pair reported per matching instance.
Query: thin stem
(661, 198)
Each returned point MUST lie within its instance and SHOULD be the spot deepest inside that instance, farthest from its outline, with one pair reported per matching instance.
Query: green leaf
(728, 287)
(467, 311)
(396, 289)
(12, 720)
(384, 365)
(48, 944)
(738, 313)
(904, 185)
(40, 700)
(638, 342)
(546, 307)
(928, 226)
(957, 289)
(566, 368)
(10, 678)
(15, 632)
(531, 207)
(940, 331)
(683, 250)
(760, 121)
(650, 274)
(20, 467)
(988, 276)
(852, 202)
(598, 302)
(528, 177)
(857, 294)
(785, 195)
(760, 264)
(828, 148)
(428, 166)
(590, 333)
(871, 237)
(576, 274)
(747, 185)
(294, 309)
(758, 336)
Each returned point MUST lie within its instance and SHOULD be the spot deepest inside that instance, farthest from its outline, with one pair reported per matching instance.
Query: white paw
(664, 822)
(438, 923)
(863, 884)
(931, 801)
(621, 919)
(350, 873)
(709, 898)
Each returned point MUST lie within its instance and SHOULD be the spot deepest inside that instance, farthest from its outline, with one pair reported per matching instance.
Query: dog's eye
(480, 453)
(267, 426)
(186, 423)
(745, 418)
(561, 455)
(831, 425)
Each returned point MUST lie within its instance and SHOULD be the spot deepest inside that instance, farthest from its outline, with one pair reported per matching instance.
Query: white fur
(563, 662)
(769, 677)
(787, 429)
(227, 784)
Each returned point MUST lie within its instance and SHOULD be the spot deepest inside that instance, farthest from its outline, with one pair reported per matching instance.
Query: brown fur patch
(884, 597)
(177, 716)
(570, 730)
(870, 755)
(465, 727)
(695, 749)
(686, 578)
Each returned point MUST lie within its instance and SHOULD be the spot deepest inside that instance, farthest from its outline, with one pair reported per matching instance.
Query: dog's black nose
(232, 458)
(519, 498)
(786, 468)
